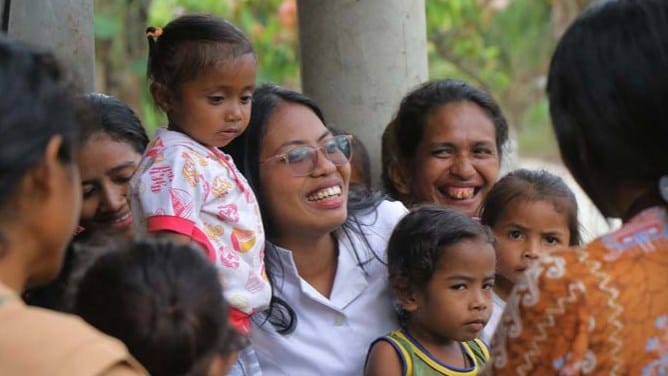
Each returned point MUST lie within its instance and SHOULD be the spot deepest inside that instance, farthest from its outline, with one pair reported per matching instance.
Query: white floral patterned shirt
(187, 188)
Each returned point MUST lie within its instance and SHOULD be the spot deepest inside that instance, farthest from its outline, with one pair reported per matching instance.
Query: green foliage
(275, 42)
(502, 47)
(503, 50)
(105, 26)
(274, 38)
(536, 137)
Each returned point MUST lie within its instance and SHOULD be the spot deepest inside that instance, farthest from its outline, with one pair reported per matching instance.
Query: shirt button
(339, 320)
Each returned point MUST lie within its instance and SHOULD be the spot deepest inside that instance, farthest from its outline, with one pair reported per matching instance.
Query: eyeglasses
(302, 159)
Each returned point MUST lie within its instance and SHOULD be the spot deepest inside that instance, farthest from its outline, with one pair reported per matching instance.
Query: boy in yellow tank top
(441, 267)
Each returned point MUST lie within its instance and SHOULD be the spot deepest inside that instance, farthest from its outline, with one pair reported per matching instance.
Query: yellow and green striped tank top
(417, 361)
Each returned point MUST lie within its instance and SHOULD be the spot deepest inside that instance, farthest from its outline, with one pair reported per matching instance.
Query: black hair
(116, 119)
(419, 241)
(360, 161)
(410, 121)
(36, 104)
(388, 159)
(189, 44)
(524, 185)
(164, 301)
(608, 90)
(245, 150)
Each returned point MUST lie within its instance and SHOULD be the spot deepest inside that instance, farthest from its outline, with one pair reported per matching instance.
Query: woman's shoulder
(386, 214)
(396, 207)
(36, 340)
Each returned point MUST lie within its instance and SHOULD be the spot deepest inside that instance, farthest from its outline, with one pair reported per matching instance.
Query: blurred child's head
(202, 73)
(165, 302)
(441, 266)
(531, 212)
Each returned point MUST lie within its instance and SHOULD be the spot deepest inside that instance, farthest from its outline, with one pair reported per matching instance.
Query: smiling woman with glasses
(325, 250)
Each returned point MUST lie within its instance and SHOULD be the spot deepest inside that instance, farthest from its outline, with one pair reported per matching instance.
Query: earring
(663, 187)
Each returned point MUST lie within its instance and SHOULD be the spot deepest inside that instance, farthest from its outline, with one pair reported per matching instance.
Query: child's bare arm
(383, 361)
(174, 236)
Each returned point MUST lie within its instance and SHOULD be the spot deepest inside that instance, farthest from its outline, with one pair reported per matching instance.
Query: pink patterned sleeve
(172, 191)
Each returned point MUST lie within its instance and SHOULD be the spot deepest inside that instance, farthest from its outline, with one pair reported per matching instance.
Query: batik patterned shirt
(602, 310)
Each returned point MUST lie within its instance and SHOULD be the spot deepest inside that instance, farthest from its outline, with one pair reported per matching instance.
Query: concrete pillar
(63, 26)
(359, 58)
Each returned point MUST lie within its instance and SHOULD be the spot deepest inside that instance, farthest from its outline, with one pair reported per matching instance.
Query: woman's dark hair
(164, 301)
(115, 119)
(608, 91)
(420, 240)
(411, 121)
(189, 44)
(360, 162)
(527, 186)
(245, 150)
(36, 104)
(388, 160)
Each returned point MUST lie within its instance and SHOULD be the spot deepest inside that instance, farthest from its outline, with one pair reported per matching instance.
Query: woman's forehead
(292, 122)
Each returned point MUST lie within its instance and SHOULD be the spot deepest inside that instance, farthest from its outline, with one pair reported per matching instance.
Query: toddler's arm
(176, 238)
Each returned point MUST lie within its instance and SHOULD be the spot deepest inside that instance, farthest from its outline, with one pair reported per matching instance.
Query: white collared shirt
(333, 334)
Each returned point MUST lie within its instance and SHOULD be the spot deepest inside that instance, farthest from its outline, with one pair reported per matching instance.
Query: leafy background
(503, 46)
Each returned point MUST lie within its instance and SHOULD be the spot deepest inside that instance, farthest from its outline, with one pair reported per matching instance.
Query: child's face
(525, 231)
(457, 301)
(214, 108)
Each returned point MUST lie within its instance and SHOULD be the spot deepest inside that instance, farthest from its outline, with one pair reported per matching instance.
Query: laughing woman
(107, 159)
(325, 254)
(452, 139)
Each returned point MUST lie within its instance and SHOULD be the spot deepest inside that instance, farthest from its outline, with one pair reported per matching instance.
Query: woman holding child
(331, 297)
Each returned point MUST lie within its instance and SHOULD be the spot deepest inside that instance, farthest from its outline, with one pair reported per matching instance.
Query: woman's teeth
(325, 193)
(121, 219)
(460, 193)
